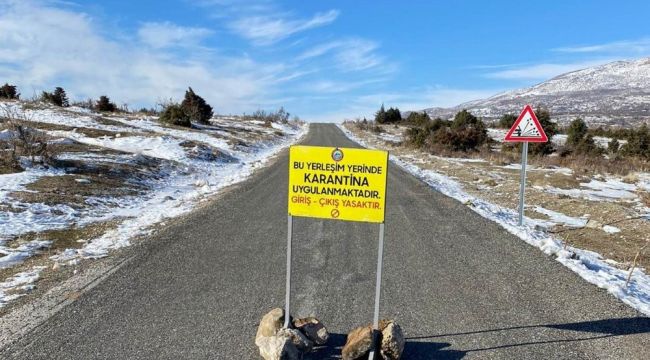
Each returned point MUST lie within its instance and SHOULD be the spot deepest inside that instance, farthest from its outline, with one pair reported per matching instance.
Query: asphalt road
(459, 285)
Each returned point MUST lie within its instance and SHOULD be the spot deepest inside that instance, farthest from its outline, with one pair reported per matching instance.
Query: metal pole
(522, 187)
(287, 295)
(375, 319)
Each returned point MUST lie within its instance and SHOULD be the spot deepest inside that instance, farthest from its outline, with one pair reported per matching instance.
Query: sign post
(340, 184)
(525, 129)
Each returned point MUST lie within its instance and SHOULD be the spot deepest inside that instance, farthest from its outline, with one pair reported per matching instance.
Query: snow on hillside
(126, 172)
(614, 93)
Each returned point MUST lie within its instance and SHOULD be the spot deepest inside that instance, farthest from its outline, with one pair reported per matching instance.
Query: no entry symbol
(335, 213)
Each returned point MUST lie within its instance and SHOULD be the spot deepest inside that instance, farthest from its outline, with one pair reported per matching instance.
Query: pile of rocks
(359, 342)
(277, 343)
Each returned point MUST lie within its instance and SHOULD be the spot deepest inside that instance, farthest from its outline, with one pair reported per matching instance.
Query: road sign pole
(287, 295)
(522, 186)
(375, 319)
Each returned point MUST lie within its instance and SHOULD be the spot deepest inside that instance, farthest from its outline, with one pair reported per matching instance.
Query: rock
(593, 224)
(277, 348)
(313, 329)
(278, 343)
(298, 339)
(392, 342)
(358, 343)
(270, 324)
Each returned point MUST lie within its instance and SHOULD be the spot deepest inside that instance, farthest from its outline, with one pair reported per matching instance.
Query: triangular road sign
(526, 128)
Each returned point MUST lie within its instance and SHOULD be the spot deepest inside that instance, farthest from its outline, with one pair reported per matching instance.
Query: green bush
(588, 147)
(506, 121)
(105, 104)
(58, 97)
(174, 114)
(9, 92)
(576, 132)
(196, 107)
(418, 118)
(465, 133)
(638, 143)
(383, 116)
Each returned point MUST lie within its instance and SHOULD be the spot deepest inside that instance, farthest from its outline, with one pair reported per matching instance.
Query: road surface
(459, 285)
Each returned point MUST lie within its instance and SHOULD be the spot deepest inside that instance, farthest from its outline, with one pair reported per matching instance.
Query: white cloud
(543, 71)
(268, 29)
(166, 34)
(43, 46)
(640, 46)
(351, 55)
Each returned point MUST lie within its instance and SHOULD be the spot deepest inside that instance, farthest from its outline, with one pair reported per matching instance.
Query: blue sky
(322, 60)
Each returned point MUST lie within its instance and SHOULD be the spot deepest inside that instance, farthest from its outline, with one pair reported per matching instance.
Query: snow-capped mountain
(614, 93)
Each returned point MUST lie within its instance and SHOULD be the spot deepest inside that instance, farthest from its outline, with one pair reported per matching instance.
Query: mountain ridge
(615, 93)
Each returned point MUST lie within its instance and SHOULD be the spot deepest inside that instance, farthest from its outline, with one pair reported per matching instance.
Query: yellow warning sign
(337, 183)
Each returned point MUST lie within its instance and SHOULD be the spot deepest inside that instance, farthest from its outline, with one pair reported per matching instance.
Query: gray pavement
(459, 285)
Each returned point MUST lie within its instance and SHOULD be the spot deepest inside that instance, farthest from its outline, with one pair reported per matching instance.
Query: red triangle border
(542, 139)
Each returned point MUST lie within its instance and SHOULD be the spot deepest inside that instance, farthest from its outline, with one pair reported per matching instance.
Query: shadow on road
(417, 349)
(412, 350)
(605, 328)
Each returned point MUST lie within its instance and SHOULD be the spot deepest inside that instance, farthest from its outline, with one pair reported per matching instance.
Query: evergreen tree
(638, 143)
(576, 132)
(418, 118)
(393, 115)
(9, 92)
(587, 146)
(174, 114)
(196, 107)
(380, 116)
(105, 104)
(58, 97)
(507, 120)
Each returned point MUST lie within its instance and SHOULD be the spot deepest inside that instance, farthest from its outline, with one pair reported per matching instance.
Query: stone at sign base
(359, 342)
(278, 343)
(313, 329)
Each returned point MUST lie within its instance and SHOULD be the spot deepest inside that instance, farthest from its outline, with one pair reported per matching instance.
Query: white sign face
(527, 128)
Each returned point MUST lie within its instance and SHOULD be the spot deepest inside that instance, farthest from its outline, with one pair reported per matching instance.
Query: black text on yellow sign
(338, 183)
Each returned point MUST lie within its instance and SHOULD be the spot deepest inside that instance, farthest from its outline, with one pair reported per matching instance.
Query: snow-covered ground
(174, 169)
(588, 264)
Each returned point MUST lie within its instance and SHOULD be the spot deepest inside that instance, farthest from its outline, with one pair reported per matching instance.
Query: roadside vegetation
(596, 179)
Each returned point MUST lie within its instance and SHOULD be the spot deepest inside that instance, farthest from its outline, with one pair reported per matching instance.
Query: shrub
(576, 132)
(174, 114)
(613, 146)
(393, 116)
(506, 121)
(105, 104)
(196, 107)
(418, 118)
(9, 92)
(280, 115)
(58, 97)
(587, 146)
(550, 128)
(383, 116)
(466, 132)
(638, 143)
(380, 115)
